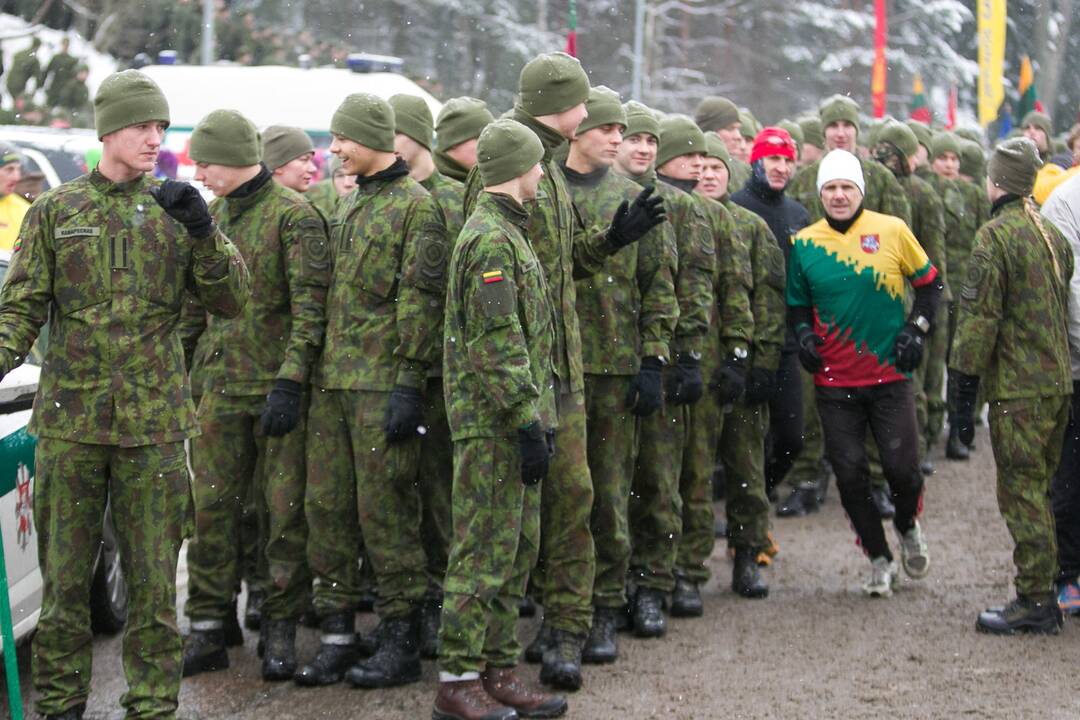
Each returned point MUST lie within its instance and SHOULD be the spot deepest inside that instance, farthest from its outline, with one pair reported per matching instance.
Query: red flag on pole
(571, 36)
(879, 78)
(950, 119)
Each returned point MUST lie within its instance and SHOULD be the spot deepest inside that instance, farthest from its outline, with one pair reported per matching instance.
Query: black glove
(908, 348)
(185, 205)
(644, 396)
(633, 220)
(808, 345)
(686, 385)
(404, 414)
(537, 447)
(282, 411)
(730, 380)
(760, 386)
(963, 415)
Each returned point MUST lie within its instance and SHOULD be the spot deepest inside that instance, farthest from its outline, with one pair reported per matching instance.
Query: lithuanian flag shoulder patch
(17, 246)
(493, 276)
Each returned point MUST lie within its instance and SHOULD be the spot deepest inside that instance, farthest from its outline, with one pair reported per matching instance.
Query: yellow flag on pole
(991, 25)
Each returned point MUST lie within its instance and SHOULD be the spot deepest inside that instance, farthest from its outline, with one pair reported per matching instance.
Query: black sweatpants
(889, 411)
(1065, 495)
(784, 441)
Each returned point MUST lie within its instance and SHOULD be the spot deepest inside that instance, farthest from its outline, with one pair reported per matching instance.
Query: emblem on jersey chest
(870, 243)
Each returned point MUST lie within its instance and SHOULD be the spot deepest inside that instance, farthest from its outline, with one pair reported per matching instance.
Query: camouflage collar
(509, 208)
(550, 138)
(251, 192)
(109, 187)
(1007, 203)
(450, 167)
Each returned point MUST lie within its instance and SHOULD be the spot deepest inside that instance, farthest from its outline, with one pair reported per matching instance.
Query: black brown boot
(337, 652)
(649, 620)
(279, 657)
(204, 650)
(397, 661)
(534, 653)
(746, 576)
(504, 686)
(467, 700)
(955, 449)
(430, 618)
(562, 661)
(602, 647)
(253, 609)
(686, 599)
(1040, 616)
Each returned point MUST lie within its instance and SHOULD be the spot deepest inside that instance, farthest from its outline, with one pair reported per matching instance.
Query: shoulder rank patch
(493, 276)
(17, 246)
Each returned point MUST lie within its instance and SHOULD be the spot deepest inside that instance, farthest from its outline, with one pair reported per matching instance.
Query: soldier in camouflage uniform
(58, 73)
(628, 314)
(721, 116)
(456, 130)
(501, 405)
(1019, 269)
(812, 147)
(840, 128)
(252, 411)
(553, 89)
(655, 504)
(723, 359)
(388, 251)
(326, 194)
(25, 67)
(742, 439)
(288, 153)
(106, 259)
(414, 128)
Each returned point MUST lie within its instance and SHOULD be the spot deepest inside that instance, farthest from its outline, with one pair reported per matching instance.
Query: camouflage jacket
(324, 197)
(388, 251)
(731, 322)
(629, 310)
(769, 280)
(1011, 329)
(739, 173)
(928, 225)
(565, 251)
(883, 193)
(104, 264)
(497, 344)
(976, 214)
(283, 240)
(449, 195)
(695, 264)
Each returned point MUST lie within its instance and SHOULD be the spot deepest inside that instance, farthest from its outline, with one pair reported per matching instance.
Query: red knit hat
(773, 141)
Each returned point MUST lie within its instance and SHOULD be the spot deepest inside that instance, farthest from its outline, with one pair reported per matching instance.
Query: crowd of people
(493, 366)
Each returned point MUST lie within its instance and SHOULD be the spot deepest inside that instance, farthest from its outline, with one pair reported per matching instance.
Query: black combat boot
(649, 620)
(430, 617)
(601, 646)
(534, 653)
(686, 599)
(73, 713)
(803, 500)
(337, 652)
(883, 502)
(822, 490)
(562, 661)
(204, 651)
(279, 659)
(746, 577)
(955, 449)
(234, 636)
(253, 610)
(397, 661)
(1024, 614)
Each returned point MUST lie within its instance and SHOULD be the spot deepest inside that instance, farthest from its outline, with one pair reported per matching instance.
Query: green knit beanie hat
(552, 83)
(944, 142)
(899, 136)
(640, 119)
(678, 136)
(1040, 120)
(128, 98)
(717, 148)
(923, 134)
(506, 150)
(225, 137)
(461, 119)
(716, 113)
(972, 159)
(412, 117)
(749, 127)
(1014, 164)
(366, 119)
(813, 134)
(604, 107)
(8, 154)
(971, 134)
(839, 107)
(282, 144)
(794, 130)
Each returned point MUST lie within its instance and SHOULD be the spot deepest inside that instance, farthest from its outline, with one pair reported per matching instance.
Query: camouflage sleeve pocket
(496, 295)
(432, 254)
(974, 280)
(315, 249)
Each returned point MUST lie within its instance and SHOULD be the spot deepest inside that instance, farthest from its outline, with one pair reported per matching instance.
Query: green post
(11, 663)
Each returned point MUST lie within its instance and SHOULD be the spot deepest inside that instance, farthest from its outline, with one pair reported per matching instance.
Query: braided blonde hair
(1036, 217)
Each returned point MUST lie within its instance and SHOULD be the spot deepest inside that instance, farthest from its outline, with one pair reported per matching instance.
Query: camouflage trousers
(655, 504)
(1026, 436)
(567, 564)
(612, 447)
(436, 478)
(358, 480)
(809, 466)
(149, 495)
(495, 543)
(697, 539)
(235, 463)
(934, 382)
(742, 450)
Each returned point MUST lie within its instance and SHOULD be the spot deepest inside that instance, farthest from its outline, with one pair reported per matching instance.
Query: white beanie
(840, 165)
